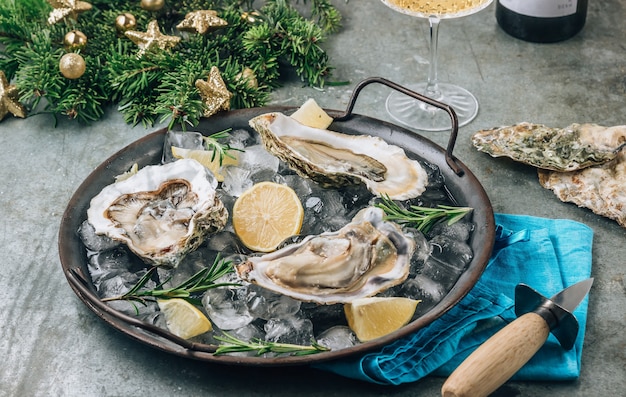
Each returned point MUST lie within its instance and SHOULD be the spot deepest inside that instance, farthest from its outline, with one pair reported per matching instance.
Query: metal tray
(460, 182)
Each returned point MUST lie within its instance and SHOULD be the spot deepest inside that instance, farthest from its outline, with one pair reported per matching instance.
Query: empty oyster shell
(334, 159)
(162, 212)
(601, 189)
(365, 257)
(559, 149)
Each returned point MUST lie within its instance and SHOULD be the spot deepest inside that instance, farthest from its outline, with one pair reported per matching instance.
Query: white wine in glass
(417, 114)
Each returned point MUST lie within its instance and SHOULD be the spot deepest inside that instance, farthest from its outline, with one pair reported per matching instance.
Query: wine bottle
(541, 21)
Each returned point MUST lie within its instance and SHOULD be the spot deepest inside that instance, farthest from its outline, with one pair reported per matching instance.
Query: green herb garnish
(220, 149)
(421, 218)
(199, 282)
(234, 345)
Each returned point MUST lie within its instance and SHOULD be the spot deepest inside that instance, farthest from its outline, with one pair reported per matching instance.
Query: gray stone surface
(52, 345)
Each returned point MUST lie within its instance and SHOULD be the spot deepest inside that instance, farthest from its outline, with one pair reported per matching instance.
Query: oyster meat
(559, 149)
(365, 257)
(333, 159)
(162, 212)
(601, 189)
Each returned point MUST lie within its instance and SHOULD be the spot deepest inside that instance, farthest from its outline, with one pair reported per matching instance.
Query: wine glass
(419, 115)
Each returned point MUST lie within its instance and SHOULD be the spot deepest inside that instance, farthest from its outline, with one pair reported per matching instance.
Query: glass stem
(432, 89)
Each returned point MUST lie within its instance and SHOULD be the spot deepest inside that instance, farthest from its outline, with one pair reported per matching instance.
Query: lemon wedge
(266, 214)
(371, 318)
(184, 319)
(312, 115)
(204, 157)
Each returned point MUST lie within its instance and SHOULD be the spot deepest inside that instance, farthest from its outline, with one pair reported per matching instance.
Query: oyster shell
(162, 212)
(559, 149)
(365, 257)
(334, 160)
(601, 189)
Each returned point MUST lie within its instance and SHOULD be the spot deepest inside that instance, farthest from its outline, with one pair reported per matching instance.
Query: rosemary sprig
(235, 345)
(422, 218)
(199, 282)
(219, 149)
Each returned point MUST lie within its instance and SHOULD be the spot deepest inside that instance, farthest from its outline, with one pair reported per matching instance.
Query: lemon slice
(204, 157)
(371, 318)
(312, 115)
(266, 214)
(184, 319)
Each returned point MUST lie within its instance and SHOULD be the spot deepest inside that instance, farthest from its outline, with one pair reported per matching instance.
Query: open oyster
(601, 189)
(559, 149)
(334, 159)
(365, 257)
(162, 212)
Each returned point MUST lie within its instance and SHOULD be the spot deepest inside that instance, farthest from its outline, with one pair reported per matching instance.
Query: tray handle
(450, 160)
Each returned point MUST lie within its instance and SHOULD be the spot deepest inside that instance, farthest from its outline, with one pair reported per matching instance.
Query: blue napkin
(546, 254)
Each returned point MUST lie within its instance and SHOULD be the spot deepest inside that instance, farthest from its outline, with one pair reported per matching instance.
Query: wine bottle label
(542, 8)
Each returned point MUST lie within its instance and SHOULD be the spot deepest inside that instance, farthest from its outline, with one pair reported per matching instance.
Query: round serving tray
(460, 182)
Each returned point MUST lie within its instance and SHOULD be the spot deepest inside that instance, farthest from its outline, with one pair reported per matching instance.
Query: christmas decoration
(251, 17)
(151, 39)
(75, 40)
(201, 22)
(214, 93)
(152, 5)
(66, 8)
(125, 21)
(72, 65)
(248, 76)
(272, 38)
(9, 99)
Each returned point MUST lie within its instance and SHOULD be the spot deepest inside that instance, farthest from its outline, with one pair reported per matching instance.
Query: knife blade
(502, 355)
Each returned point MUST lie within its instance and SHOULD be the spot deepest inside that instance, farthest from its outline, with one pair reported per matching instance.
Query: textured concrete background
(52, 345)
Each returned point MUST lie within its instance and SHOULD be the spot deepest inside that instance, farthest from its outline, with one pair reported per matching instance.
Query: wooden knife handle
(496, 360)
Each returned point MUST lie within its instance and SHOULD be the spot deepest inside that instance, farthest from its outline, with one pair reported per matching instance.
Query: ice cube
(236, 180)
(337, 338)
(298, 331)
(182, 139)
(95, 242)
(454, 252)
(110, 263)
(226, 307)
(266, 304)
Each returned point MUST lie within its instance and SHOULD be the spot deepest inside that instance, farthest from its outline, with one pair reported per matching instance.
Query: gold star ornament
(9, 101)
(151, 39)
(201, 22)
(214, 93)
(66, 8)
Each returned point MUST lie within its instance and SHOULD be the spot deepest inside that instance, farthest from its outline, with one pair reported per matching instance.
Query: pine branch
(160, 85)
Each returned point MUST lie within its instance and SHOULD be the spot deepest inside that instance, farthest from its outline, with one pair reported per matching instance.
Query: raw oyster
(601, 189)
(334, 160)
(365, 257)
(559, 149)
(162, 212)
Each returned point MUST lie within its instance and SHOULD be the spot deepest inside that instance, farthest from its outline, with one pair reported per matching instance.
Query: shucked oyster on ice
(333, 159)
(559, 149)
(367, 256)
(162, 212)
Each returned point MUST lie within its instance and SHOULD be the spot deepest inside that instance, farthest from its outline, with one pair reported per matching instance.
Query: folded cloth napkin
(546, 254)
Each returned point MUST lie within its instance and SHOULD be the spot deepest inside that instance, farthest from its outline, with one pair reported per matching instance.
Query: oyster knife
(502, 355)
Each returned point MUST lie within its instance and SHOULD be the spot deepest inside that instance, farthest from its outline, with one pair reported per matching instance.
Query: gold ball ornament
(249, 77)
(72, 66)
(125, 21)
(75, 40)
(251, 17)
(152, 5)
